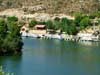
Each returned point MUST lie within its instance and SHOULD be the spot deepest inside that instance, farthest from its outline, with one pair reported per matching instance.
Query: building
(40, 27)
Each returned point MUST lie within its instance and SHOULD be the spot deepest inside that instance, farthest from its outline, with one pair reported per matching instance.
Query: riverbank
(79, 37)
(64, 23)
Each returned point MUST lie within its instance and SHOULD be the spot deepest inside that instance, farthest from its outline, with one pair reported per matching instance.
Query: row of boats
(78, 37)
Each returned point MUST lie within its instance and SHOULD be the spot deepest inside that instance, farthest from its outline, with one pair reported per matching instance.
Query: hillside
(53, 6)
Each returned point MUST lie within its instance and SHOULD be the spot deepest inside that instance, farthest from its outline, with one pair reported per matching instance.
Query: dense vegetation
(10, 37)
(71, 27)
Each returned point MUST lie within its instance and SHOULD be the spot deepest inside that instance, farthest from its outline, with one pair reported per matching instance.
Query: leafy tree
(14, 40)
(85, 22)
(32, 23)
(49, 24)
(68, 26)
(72, 30)
(10, 37)
(78, 18)
(64, 24)
(3, 29)
(57, 24)
(3, 32)
(12, 45)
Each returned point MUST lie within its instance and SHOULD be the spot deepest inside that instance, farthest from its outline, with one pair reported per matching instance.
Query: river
(54, 57)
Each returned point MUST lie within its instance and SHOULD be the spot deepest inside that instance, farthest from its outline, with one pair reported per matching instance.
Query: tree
(10, 37)
(64, 24)
(12, 45)
(56, 24)
(85, 22)
(78, 18)
(3, 28)
(32, 23)
(49, 24)
(72, 30)
(68, 26)
(13, 40)
(3, 33)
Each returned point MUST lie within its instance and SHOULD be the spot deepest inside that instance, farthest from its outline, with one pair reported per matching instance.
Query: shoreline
(62, 37)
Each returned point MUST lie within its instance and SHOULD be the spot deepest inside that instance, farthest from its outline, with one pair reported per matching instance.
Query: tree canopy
(10, 37)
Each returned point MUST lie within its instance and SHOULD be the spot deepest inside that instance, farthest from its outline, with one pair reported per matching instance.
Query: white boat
(87, 37)
(56, 36)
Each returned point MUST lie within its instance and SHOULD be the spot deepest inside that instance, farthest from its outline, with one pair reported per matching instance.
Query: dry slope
(54, 6)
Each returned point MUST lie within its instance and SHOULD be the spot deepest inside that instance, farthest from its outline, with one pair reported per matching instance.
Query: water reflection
(89, 43)
(55, 57)
(11, 63)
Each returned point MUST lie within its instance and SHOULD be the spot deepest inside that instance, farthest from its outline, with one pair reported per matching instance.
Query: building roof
(40, 26)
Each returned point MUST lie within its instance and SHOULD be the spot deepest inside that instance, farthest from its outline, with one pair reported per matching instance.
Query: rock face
(52, 6)
(27, 17)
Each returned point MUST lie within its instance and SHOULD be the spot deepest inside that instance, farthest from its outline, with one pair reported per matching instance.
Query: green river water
(54, 57)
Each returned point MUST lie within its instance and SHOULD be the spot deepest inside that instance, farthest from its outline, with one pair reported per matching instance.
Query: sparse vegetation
(54, 6)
